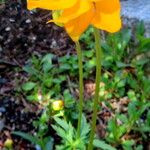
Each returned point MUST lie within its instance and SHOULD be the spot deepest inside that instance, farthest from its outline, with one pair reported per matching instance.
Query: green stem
(80, 64)
(98, 78)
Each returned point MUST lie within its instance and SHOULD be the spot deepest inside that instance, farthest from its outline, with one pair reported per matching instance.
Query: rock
(7, 29)
(2, 109)
(134, 11)
(28, 21)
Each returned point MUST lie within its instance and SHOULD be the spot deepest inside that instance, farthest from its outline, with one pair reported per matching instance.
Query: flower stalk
(98, 78)
(80, 64)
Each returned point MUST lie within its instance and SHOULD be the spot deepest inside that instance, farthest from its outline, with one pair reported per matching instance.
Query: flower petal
(51, 4)
(78, 9)
(77, 26)
(110, 22)
(107, 6)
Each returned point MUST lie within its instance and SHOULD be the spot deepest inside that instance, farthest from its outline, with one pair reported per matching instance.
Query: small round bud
(57, 105)
(8, 143)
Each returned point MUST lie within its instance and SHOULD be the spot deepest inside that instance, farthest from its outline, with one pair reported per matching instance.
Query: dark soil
(22, 34)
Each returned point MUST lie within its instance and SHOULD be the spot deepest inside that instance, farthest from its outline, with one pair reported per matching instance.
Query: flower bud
(57, 105)
(8, 143)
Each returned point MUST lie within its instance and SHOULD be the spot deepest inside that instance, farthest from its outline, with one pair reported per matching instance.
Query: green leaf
(32, 97)
(127, 145)
(139, 147)
(47, 62)
(122, 65)
(47, 58)
(142, 62)
(64, 67)
(88, 54)
(121, 83)
(30, 70)
(144, 107)
(60, 131)
(49, 144)
(48, 82)
(85, 127)
(62, 123)
(103, 145)
(140, 29)
(132, 110)
(144, 128)
(144, 45)
(28, 86)
(125, 37)
(26, 136)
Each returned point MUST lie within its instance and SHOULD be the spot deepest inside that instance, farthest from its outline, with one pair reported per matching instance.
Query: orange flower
(77, 15)
(51, 4)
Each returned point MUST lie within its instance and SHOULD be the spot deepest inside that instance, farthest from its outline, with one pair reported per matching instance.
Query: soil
(22, 34)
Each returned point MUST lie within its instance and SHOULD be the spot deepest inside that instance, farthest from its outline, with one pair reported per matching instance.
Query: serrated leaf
(103, 145)
(85, 127)
(26, 136)
(62, 123)
(59, 131)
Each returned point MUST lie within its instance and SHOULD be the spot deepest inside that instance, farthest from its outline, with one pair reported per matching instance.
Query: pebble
(2, 109)
(1, 37)
(12, 20)
(54, 44)
(7, 29)
(34, 38)
(28, 21)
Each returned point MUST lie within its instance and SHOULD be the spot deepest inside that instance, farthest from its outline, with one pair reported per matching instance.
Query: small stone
(34, 38)
(28, 21)
(12, 20)
(7, 29)
(1, 37)
(20, 29)
(54, 44)
(2, 109)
